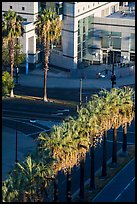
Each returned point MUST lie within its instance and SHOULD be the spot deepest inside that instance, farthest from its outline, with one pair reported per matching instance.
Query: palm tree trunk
(114, 148)
(124, 146)
(104, 160)
(92, 178)
(55, 188)
(11, 63)
(69, 185)
(81, 194)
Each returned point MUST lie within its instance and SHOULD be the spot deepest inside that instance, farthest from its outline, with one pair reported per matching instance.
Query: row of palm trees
(48, 29)
(67, 145)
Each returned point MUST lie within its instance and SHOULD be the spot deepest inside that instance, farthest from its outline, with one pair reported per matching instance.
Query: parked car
(99, 75)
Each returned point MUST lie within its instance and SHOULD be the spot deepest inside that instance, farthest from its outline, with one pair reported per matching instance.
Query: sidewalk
(25, 145)
(62, 79)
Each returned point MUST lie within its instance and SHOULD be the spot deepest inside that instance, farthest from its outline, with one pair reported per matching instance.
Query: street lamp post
(16, 149)
(17, 74)
(113, 77)
(80, 95)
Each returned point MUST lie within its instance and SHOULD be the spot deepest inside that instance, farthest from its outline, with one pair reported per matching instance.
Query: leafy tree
(7, 83)
(11, 30)
(19, 56)
(48, 29)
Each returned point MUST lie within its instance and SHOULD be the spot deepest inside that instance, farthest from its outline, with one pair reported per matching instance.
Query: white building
(84, 27)
(29, 11)
(85, 31)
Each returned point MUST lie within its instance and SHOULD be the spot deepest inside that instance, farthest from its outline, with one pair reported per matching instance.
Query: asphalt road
(121, 188)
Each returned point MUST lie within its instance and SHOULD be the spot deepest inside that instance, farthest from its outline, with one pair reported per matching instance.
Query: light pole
(80, 95)
(16, 146)
(113, 77)
(17, 74)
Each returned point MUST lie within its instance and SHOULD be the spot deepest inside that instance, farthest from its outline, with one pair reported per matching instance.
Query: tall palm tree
(104, 159)
(83, 146)
(124, 145)
(106, 125)
(116, 103)
(48, 29)
(12, 29)
(68, 193)
(127, 111)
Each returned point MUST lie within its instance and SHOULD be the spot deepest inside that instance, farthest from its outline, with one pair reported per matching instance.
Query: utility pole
(80, 95)
(16, 149)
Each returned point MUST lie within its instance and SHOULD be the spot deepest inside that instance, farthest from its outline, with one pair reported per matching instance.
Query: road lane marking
(128, 132)
(124, 189)
(111, 180)
(37, 133)
(27, 124)
(65, 110)
(129, 143)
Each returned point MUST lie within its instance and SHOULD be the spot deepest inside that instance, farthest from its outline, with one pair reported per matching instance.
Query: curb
(34, 98)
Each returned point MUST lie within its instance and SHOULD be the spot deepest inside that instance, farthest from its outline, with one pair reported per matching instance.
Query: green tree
(48, 30)
(11, 30)
(7, 83)
(19, 56)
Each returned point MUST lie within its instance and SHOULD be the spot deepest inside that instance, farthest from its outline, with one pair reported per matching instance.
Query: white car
(99, 75)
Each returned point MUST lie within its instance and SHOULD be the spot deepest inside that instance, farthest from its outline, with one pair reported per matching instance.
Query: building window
(88, 6)
(78, 10)
(23, 8)
(83, 8)
(93, 4)
(10, 7)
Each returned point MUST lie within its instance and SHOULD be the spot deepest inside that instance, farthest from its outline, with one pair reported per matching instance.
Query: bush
(7, 83)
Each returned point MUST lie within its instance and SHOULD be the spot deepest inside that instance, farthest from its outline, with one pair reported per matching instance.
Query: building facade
(90, 30)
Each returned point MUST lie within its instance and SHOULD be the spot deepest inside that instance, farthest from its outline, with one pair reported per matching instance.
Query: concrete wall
(30, 9)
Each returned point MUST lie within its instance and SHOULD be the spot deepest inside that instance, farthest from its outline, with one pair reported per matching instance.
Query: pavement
(25, 145)
(64, 79)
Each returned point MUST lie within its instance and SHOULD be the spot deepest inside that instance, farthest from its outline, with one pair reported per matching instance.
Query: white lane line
(28, 124)
(133, 179)
(65, 110)
(129, 143)
(128, 132)
(111, 180)
(57, 114)
(37, 133)
(117, 196)
(124, 189)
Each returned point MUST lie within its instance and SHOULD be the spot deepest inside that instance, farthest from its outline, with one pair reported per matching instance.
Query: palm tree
(106, 125)
(68, 185)
(83, 146)
(124, 146)
(104, 159)
(11, 29)
(48, 29)
(116, 103)
(127, 111)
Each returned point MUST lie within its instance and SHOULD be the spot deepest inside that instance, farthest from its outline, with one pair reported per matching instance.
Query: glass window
(105, 42)
(23, 8)
(116, 43)
(132, 48)
(10, 7)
